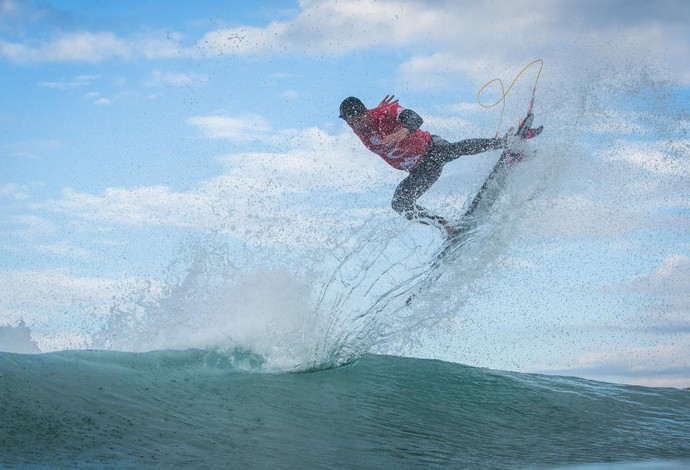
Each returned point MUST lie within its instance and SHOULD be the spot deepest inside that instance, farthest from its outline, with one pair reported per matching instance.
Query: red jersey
(406, 154)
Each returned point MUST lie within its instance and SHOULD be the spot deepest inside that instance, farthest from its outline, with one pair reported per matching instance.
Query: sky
(134, 129)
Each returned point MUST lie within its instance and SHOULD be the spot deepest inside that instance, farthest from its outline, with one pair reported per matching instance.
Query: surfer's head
(353, 111)
(351, 108)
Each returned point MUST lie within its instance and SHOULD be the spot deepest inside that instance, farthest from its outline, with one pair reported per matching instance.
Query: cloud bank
(449, 40)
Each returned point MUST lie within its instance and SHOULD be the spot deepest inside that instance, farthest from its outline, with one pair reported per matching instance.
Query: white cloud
(517, 262)
(278, 197)
(655, 157)
(156, 205)
(75, 82)
(674, 274)
(97, 99)
(30, 226)
(60, 298)
(657, 365)
(241, 129)
(668, 285)
(56, 289)
(610, 121)
(449, 40)
(240, 41)
(629, 186)
(18, 192)
(424, 72)
(473, 39)
(476, 41)
(576, 216)
(337, 28)
(161, 45)
(94, 47)
(71, 47)
(64, 249)
(316, 160)
(159, 78)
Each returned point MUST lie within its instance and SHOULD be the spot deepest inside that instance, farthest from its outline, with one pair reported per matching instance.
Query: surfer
(393, 133)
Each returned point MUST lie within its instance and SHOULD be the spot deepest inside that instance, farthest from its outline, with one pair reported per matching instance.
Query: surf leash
(505, 92)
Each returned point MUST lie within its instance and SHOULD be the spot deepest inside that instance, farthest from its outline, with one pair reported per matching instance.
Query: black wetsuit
(424, 175)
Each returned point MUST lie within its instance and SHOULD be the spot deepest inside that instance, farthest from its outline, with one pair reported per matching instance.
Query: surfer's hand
(389, 99)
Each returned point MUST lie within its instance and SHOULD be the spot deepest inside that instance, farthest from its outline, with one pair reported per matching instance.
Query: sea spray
(293, 317)
(325, 310)
(442, 301)
(364, 298)
(218, 306)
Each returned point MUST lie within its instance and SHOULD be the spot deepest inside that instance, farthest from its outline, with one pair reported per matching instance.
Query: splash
(17, 339)
(217, 306)
(324, 311)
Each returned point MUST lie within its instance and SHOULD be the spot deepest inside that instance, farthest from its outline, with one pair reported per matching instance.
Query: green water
(198, 410)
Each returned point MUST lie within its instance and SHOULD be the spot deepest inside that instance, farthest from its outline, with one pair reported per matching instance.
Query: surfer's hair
(351, 107)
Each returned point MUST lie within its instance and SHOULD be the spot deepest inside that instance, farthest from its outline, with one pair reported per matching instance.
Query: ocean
(196, 409)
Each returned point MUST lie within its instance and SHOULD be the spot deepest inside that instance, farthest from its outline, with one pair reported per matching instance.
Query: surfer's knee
(403, 206)
(397, 205)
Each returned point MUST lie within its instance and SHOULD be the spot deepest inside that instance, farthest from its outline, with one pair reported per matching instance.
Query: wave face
(200, 409)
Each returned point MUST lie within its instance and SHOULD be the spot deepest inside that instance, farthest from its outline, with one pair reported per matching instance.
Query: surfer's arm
(410, 121)
(395, 137)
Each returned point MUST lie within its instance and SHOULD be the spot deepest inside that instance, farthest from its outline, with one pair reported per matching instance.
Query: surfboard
(490, 189)
(482, 202)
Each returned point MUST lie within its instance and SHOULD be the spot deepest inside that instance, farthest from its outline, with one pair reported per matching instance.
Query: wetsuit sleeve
(410, 119)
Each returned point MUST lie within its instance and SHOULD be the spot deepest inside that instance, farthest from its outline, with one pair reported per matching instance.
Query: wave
(204, 409)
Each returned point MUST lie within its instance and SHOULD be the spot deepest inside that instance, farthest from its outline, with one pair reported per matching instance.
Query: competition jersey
(406, 154)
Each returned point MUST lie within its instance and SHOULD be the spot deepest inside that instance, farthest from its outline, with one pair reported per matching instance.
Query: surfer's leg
(444, 151)
(412, 187)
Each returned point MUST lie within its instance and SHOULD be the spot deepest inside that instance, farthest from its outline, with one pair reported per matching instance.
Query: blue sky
(131, 128)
